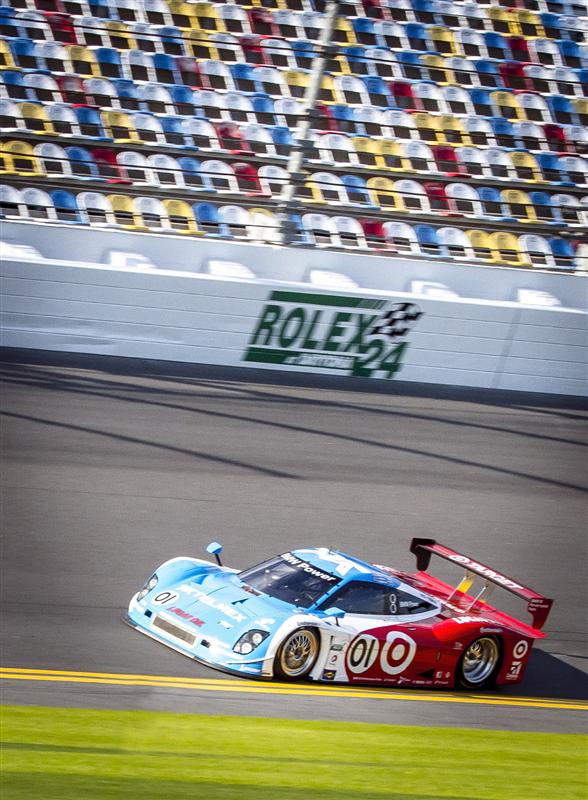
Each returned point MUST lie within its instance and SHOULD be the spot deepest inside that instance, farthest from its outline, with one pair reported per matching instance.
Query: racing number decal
(395, 654)
(362, 654)
(164, 597)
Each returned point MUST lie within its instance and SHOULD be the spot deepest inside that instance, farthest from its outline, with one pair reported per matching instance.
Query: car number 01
(396, 653)
(164, 597)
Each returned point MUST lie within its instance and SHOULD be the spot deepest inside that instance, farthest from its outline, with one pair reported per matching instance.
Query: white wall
(185, 316)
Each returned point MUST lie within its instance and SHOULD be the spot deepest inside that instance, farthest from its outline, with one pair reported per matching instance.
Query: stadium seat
(39, 204)
(401, 238)
(95, 208)
(19, 158)
(53, 159)
(66, 207)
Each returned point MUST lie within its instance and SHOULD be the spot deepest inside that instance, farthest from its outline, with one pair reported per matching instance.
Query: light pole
(301, 144)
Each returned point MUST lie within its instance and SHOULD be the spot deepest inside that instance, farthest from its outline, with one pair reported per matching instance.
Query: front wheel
(297, 654)
(479, 663)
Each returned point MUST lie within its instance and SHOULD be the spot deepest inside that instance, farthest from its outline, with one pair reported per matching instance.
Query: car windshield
(290, 579)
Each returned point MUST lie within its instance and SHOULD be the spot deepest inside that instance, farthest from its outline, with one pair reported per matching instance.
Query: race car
(320, 614)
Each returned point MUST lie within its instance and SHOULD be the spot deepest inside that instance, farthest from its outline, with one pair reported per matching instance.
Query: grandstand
(443, 130)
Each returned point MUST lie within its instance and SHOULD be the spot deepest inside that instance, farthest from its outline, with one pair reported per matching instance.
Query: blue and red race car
(320, 614)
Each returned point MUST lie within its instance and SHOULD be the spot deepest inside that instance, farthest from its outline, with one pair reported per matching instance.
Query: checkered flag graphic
(397, 322)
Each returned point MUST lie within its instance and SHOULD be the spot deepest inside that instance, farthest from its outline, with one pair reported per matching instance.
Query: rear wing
(537, 605)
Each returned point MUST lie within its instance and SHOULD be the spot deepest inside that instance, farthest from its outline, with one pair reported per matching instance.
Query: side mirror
(215, 549)
(335, 613)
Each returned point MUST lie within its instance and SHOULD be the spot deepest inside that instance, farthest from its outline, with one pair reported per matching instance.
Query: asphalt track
(107, 474)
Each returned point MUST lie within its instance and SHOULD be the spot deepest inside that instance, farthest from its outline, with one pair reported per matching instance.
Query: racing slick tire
(479, 663)
(297, 654)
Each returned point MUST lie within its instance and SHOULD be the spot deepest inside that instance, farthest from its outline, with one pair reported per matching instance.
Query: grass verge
(82, 754)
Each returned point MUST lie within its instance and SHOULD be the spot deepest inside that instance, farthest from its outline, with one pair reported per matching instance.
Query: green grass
(80, 754)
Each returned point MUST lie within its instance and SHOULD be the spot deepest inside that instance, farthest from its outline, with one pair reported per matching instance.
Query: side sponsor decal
(519, 652)
(486, 571)
(357, 336)
(394, 655)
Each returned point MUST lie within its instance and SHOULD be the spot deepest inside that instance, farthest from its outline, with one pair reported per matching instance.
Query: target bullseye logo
(397, 653)
(520, 649)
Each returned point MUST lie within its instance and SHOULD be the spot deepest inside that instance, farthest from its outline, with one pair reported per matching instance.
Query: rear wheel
(297, 654)
(479, 663)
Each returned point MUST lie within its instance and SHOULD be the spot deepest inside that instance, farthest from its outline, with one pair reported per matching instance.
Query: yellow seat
(199, 44)
(125, 212)
(508, 106)
(327, 93)
(119, 127)
(503, 21)
(481, 245)
(83, 61)
(519, 204)
(506, 250)
(394, 156)
(344, 33)
(442, 39)
(297, 82)
(529, 23)
(368, 152)
(183, 14)
(438, 70)
(429, 127)
(526, 167)
(383, 192)
(207, 18)
(181, 217)
(119, 35)
(581, 106)
(453, 131)
(36, 119)
(18, 158)
(264, 226)
(6, 60)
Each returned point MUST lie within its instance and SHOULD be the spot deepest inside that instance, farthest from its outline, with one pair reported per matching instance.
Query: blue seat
(379, 92)
(90, 123)
(191, 172)
(103, 9)
(109, 62)
(209, 221)
(551, 170)
(364, 31)
(263, 106)
(417, 36)
(489, 73)
(357, 60)
(497, 45)
(24, 53)
(504, 131)
(357, 191)
(571, 53)
(481, 102)
(583, 78)
(492, 203)
(552, 26)
(166, 69)
(9, 27)
(344, 116)
(282, 139)
(174, 132)
(562, 110)
(411, 65)
(547, 213)
(299, 234)
(15, 86)
(244, 78)
(563, 253)
(126, 90)
(66, 207)
(429, 242)
(304, 52)
(172, 40)
(82, 164)
(185, 101)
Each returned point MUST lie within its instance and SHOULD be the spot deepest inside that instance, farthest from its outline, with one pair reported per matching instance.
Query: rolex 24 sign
(358, 336)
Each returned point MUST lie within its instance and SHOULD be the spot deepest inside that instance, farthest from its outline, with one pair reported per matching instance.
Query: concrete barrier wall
(180, 315)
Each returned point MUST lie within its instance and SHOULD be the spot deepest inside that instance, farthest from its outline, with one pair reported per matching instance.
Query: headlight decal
(151, 584)
(249, 641)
